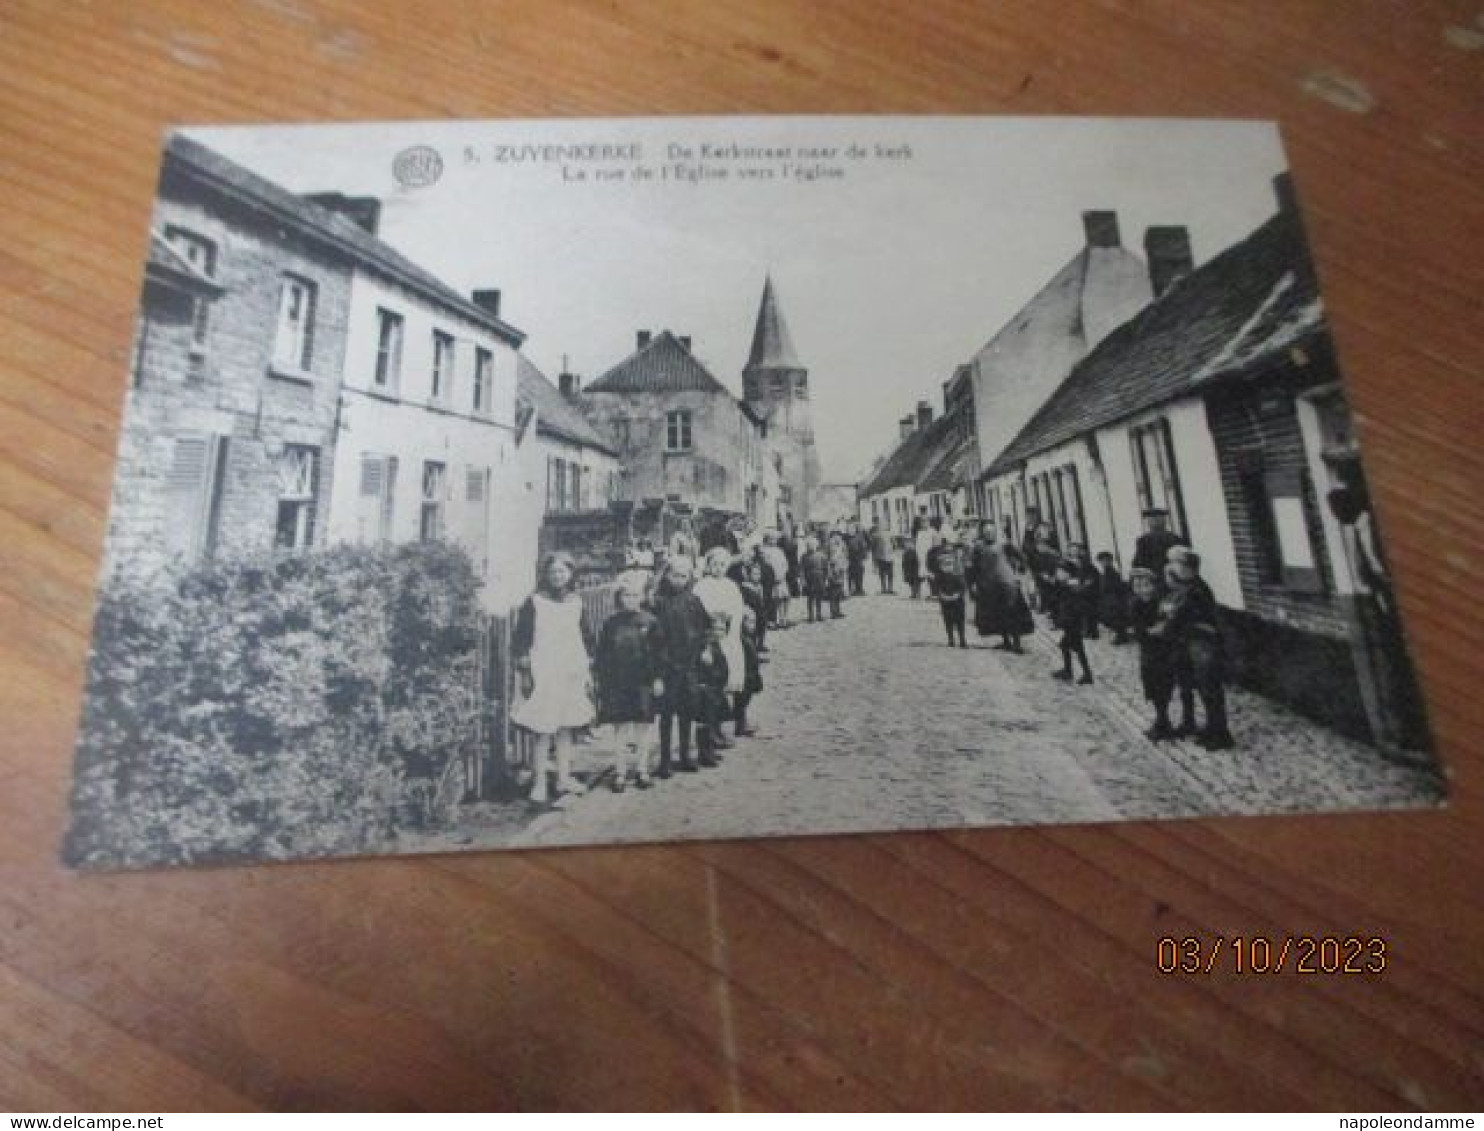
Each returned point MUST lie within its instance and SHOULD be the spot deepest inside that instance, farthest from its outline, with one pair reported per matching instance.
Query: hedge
(291, 706)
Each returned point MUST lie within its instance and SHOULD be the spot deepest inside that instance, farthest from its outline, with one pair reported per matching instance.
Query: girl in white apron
(552, 649)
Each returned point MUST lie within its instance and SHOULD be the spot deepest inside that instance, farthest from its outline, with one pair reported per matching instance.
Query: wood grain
(986, 969)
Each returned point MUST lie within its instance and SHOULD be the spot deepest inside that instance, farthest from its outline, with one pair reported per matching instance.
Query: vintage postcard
(499, 484)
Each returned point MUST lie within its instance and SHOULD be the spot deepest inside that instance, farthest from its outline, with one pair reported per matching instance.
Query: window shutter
(373, 477)
(1285, 491)
(185, 488)
(475, 485)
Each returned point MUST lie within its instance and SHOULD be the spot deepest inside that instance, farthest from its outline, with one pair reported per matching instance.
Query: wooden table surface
(1009, 968)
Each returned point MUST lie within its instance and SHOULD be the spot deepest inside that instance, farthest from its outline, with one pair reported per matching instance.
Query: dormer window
(200, 253)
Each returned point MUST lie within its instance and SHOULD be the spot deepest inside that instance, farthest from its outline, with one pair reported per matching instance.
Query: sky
(888, 276)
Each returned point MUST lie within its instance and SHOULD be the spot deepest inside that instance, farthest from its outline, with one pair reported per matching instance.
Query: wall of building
(1201, 489)
(488, 488)
(600, 473)
(1096, 503)
(723, 461)
(229, 388)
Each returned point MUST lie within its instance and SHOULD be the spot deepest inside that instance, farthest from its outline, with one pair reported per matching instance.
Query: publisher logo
(417, 166)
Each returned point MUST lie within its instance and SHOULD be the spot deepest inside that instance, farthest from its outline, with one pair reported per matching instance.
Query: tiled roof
(1254, 299)
(954, 464)
(662, 366)
(772, 347)
(914, 457)
(555, 414)
(339, 231)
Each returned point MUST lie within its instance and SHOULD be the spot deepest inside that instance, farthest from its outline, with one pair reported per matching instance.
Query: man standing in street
(1152, 549)
(881, 554)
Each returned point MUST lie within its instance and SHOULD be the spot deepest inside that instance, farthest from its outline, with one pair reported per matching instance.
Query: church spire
(772, 348)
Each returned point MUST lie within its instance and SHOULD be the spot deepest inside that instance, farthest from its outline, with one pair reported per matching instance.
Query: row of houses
(1211, 392)
(298, 382)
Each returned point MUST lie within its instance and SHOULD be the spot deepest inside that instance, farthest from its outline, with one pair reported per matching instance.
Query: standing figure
(1166, 630)
(951, 590)
(629, 682)
(713, 675)
(1156, 669)
(1198, 630)
(858, 547)
(815, 569)
(723, 600)
(1044, 560)
(1152, 549)
(778, 563)
(1113, 598)
(912, 568)
(999, 604)
(551, 647)
(839, 573)
(681, 633)
(1091, 580)
(1068, 599)
(881, 555)
(752, 683)
(928, 537)
(790, 547)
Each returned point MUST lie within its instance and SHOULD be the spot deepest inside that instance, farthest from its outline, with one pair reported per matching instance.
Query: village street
(872, 722)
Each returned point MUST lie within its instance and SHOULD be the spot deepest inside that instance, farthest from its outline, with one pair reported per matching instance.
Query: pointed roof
(661, 366)
(1250, 303)
(555, 414)
(772, 348)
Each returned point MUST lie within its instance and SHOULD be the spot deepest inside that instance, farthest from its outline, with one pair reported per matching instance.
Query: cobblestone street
(872, 722)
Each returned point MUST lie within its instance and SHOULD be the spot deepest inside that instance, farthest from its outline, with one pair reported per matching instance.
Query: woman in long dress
(722, 598)
(999, 601)
(552, 649)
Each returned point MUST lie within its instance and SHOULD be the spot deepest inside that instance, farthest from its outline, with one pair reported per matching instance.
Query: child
(1113, 598)
(552, 651)
(815, 567)
(1068, 597)
(951, 589)
(712, 674)
(912, 569)
(1091, 582)
(1195, 630)
(1156, 674)
(1166, 630)
(628, 681)
(839, 571)
(752, 683)
(681, 630)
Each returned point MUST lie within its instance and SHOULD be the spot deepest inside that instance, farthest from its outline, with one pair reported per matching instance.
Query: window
(1070, 522)
(430, 526)
(193, 491)
(1275, 501)
(1155, 477)
(581, 485)
(378, 492)
(294, 343)
(200, 253)
(484, 367)
(443, 361)
(298, 480)
(677, 431)
(556, 484)
(388, 350)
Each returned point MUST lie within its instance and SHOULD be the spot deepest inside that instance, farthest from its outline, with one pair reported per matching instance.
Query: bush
(292, 706)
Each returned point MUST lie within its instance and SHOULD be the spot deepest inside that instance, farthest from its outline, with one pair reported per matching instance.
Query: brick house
(681, 435)
(230, 419)
(297, 381)
(1220, 402)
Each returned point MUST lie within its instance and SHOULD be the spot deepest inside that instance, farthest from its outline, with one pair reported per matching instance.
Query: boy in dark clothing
(711, 682)
(1113, 598)
(1156, 672)
(1091, 580)
(1196, 632)
(682, 626)
(815, 567)
(951, 590)
(912, 569)
(1069, 600)
(752, 682)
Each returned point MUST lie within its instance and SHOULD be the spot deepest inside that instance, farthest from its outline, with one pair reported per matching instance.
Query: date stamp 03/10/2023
(1263, 954)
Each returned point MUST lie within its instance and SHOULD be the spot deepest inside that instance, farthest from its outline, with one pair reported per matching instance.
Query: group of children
(679, 650)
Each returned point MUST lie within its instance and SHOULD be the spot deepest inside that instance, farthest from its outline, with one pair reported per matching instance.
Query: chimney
(362, 211)
(569, 383)
(1283, 190)
(1101, 229)
(1168, 251)
(684, 340)
(488, 300)
(904, 426)
(924, 414)
(642, 339)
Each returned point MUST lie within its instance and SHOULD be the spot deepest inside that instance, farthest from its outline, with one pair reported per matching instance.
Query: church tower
(776, 387)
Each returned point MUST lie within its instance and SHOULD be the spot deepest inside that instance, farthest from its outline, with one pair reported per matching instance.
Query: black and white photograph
(528, 483)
